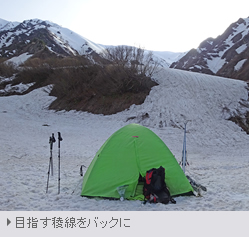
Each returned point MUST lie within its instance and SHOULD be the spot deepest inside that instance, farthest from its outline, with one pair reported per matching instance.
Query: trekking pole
(59, 158)
(51, 153)
(184, 151)
(50, 166)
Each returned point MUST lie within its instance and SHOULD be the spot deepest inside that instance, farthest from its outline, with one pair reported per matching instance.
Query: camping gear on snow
(81, 170)
(80, 181)
(125, 156)
(155, 189)
(121, 191)
(184, 150)
(196, 186)
(50, 166)
(59, 160)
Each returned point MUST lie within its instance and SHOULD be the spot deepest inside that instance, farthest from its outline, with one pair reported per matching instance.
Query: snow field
(216, 148)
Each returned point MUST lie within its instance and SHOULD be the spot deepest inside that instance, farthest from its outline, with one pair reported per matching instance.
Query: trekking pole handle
(51, 141)
(59, 139)
(53, 138)
(59, 136)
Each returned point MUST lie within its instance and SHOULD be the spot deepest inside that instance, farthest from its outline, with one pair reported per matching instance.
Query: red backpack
(155, 189)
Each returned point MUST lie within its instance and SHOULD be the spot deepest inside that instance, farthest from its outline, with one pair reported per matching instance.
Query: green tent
(127, 154)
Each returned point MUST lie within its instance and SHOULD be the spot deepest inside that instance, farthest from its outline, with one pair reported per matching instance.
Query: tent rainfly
(125, 157)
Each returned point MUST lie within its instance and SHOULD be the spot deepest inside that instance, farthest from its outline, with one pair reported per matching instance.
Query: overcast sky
(176, 25)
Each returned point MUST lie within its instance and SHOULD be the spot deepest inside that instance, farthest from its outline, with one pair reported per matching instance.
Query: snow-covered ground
(217, 148)
(17, 61)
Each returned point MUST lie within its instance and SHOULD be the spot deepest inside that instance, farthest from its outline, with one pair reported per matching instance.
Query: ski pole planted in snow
(50, 166)
(52, 140)
(184, 150)
(59, 162)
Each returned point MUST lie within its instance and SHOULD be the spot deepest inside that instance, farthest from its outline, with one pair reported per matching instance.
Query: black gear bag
(155, 189)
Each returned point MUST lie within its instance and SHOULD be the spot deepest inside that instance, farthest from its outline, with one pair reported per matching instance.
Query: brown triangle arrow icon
(8, 221)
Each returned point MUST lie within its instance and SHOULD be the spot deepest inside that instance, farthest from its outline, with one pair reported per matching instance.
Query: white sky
(175, 25)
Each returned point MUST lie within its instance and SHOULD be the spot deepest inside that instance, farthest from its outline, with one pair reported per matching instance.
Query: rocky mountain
(227, 55)
(33, 36)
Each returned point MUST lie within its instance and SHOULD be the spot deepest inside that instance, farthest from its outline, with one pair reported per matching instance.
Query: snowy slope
(217, 148)
(3, 23)
(7, 25)
(76, 41)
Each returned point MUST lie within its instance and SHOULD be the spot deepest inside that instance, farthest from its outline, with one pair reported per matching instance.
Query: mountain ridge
(225, 55)
(57, 39)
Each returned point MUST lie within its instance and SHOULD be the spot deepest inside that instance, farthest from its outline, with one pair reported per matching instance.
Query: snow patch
(241, 48)
(18, 60)
(215, 64)
(239, 65)
(20, 88)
